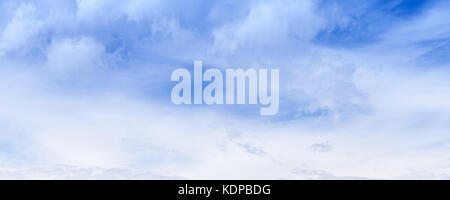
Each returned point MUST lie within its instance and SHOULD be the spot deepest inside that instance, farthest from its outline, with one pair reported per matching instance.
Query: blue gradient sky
(85, 84)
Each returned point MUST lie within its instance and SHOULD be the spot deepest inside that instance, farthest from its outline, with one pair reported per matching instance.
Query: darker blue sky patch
(405, 8)
(363, 24)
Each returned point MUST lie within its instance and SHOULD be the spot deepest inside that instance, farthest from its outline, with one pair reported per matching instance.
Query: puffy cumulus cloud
(79, 54)
(20, 29)
(322, 83)
(32, 25)
(269, 23)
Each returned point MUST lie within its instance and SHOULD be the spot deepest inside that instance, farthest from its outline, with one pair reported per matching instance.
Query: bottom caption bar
(222, 189)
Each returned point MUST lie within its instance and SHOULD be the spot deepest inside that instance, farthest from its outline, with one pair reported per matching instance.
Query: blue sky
(85, 85)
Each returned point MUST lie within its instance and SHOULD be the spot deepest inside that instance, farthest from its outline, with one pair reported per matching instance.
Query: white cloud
(269, 23)
(20, 29)
(79, 54)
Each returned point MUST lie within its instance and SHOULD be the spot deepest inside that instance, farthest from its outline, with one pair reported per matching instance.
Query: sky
(85, 89)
